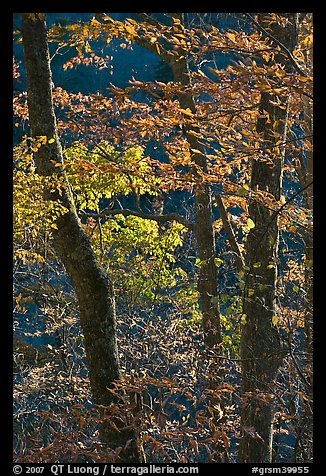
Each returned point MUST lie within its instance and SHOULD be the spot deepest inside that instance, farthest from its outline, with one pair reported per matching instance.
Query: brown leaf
(161, 419)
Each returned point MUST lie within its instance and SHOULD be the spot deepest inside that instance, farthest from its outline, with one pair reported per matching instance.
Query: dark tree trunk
(304, 452)
(260, 345)
(93, 290)
(203, 229)
(204, 232)
(261, 351)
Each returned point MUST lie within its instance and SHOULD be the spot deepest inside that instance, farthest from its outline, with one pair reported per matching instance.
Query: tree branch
(148, 19)
(147, 216)
(155, 47)
(278, 43)
(230, 234)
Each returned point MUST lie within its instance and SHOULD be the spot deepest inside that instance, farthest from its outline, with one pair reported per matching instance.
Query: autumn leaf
(244, 319)
(186, 112)
(242, 191)
(250, 223)
(218, 262)
(231, 36)
(161, 419)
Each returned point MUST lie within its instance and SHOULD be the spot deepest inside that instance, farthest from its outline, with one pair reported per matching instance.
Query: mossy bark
(261, 351)
(304, 446)
(92, 287)
(203, 229)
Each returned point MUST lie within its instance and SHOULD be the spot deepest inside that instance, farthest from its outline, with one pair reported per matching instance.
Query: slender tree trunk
(203, 229)
(204, 232)
(94, 291)
(305, 172)
(260, 344)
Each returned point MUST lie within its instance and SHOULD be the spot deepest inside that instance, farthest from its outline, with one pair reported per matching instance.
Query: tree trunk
(203, 229)
(94, 291)
(204, 232)
(205, 237)
(260, 344)
(304, 452)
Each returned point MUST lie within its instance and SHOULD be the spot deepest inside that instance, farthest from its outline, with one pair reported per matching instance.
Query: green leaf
(244, 319)
(242, 191)
(250, 223)
(257, 264)
(218, 262)
(309, 263)
(296, 288)
(271, 240)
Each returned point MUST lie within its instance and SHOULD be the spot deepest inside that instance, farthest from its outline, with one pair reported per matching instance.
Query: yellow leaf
(231, 36)
(51, 141)
(266, 56)
(88, 49)
(244, 319)
(130, 30)
(250, 223)
(186, 112)
(95, 22)
(42, 139)
(277, 90)
(196, 151)
(275, 320)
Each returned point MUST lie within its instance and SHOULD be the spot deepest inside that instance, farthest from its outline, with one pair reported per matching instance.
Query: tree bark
(203, 229)
(304, 451)
(93, 290)
(261, 351)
